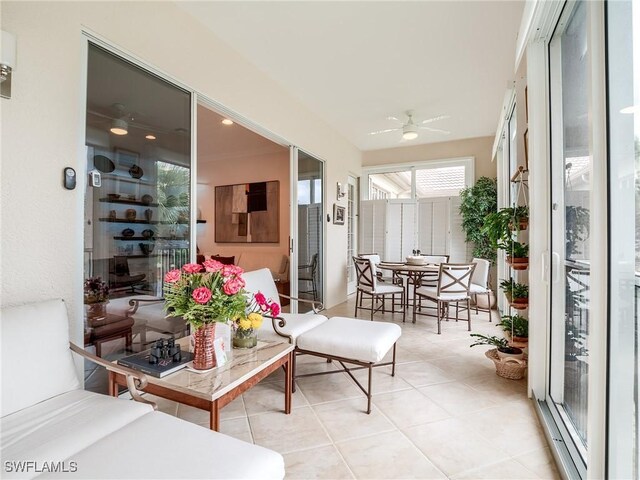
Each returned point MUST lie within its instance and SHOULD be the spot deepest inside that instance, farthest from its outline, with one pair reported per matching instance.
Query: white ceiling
(355, 63)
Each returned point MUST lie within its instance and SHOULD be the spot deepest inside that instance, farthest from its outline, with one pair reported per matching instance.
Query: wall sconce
(341, 190)
(7, 63)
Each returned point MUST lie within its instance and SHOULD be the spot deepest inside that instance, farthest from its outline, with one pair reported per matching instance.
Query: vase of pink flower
(96, 297)
(205, 295)
(245, 328)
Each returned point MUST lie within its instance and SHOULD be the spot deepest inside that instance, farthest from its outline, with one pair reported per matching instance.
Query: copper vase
(203, 354)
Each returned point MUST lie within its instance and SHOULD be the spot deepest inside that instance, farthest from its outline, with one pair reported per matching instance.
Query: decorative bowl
(146, 199)
(416, 260)
(136, 172)
(146, 248)
(127, 232)
(148, 233)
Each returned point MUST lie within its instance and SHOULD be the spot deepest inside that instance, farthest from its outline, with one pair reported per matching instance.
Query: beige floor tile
(506, 470)
(409, 407)
(503, 389)
(235, 409)
(511, 427)
(387, 455)
(453, 446)
(347, 419)
(419, 374)
(269, 397)
(461, 367)
(316, 463)
(541, 463)
(237, 428)
(458, 398)
(382, 381)
(288, 433)
(193, 415)
(328, 388)
(166, 406)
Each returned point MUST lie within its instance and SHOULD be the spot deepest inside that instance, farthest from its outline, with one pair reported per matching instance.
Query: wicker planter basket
(508, 367)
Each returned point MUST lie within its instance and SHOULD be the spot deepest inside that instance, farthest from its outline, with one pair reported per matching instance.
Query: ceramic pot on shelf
(130, 214)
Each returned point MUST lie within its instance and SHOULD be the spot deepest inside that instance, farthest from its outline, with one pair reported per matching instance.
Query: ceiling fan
(410, 129)
(119, 119)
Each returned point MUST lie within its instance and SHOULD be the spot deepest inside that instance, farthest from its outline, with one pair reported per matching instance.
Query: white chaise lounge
(49, 423)
(346, 340)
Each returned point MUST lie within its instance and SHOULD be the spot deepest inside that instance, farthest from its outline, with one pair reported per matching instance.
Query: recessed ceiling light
(119, 127)
(226, 121)
(150, 137)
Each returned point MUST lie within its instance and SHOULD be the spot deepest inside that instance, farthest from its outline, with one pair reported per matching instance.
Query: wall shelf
(151, 239)
(124, 220)
(128, 202)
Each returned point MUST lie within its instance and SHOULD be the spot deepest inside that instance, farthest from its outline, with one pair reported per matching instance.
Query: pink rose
(201, 295)
(192, 267)
(172, 276)
(228, 270)
(232, 286)
(260, 298)
(238, 270)
(212, 265)
(275, 309)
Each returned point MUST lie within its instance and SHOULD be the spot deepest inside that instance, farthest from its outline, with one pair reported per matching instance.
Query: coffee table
(216, 388)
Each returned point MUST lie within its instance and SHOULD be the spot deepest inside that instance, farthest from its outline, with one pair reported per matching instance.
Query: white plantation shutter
(440, 226)
(372, 226)
(393, 230)
(458, 247)
(408, 229)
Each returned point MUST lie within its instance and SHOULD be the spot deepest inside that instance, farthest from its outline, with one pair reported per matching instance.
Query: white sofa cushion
(63, 425)
(383, 289)
(33, 371)
(351, 338)
(432, 293)
(261, 281)
(157, 446)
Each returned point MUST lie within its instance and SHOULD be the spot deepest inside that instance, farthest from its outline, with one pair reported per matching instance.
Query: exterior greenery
(477, 202)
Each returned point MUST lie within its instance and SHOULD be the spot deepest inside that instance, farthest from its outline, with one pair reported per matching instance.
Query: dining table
(414, 274)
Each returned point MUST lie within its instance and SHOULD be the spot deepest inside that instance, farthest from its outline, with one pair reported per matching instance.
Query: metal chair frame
(367, 285)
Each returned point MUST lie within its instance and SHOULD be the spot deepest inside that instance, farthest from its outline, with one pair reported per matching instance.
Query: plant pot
(482, 302)
(245, 338)
(518, 263)
(521, 340)
(520, 301)
(511, 352)
(522, 224)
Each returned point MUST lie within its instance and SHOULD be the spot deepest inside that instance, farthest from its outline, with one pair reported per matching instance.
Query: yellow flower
(256, 320)
(244, 324)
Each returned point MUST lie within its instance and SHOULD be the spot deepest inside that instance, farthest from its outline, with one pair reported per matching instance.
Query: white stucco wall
(43, 125)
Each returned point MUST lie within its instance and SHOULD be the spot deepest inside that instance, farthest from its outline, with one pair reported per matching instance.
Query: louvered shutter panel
(439, 226)
(408, 229)
(393, 232)
(425, 225)
(458, 247)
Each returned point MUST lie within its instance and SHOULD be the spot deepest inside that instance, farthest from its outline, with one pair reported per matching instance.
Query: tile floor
(445, 414)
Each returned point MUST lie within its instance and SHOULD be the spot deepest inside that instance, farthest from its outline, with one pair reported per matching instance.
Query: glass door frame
(354, 181)
(294, 253)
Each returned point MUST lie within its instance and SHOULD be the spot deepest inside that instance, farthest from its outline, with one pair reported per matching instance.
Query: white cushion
(382, 289)
(36, 360)
(481, 272)
(351, 338)
(58, 428)
(473, 288)
(161, 446)
(432, 292)
(297, 324)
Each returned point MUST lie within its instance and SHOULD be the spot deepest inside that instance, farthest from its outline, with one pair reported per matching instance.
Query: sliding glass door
(569, 210)
(310, 229)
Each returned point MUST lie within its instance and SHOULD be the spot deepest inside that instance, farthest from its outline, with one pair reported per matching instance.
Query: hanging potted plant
(499, 226)
(516, 293)
(517, 254)
(515, 326)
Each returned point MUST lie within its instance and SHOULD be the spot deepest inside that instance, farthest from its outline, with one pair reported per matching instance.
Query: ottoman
(348, 340)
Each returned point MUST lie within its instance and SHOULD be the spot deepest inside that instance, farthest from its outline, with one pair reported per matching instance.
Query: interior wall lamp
(7, 63)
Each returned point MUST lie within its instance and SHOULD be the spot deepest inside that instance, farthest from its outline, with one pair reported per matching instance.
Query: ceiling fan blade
(436, 130)
(395, 119)
(435, 119)
(384, 131)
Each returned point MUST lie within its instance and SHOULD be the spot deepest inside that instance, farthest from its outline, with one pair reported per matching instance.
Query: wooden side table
(107, 328)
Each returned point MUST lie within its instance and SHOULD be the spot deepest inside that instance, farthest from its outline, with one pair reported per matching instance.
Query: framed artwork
(338, 214)
(248, 213)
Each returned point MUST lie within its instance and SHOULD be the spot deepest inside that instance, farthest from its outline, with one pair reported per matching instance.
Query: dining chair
(307, 273)
(368, 284)
(376, 260)
(480, 283)
(453, 287)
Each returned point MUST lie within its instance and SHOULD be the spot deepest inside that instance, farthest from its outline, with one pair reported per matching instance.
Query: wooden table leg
(214, 416)
(113, 386)
(288, 383)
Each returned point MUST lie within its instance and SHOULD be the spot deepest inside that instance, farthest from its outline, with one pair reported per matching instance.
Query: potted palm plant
(500, 343)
